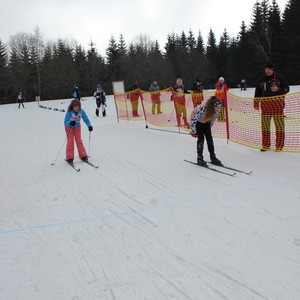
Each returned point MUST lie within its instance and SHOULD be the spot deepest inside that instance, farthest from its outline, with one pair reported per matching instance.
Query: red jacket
(221, 91)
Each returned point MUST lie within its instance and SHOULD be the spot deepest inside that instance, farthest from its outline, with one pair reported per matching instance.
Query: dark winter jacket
(134, 93)
(99, 94)
(263, 89)
(197, 88)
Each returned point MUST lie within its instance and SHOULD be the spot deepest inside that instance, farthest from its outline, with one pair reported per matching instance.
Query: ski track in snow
(145, 224)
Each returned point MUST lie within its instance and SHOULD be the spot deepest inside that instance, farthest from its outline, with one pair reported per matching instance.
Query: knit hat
(269, 65)
(216, 102)
(75, 102)
(221, 79)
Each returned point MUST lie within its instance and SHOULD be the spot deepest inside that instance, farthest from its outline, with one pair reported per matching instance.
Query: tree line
(51, 69)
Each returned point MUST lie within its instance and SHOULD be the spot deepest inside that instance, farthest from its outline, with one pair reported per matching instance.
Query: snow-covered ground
(145, 224)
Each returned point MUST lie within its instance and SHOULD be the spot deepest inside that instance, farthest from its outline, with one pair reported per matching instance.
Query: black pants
(21, 103)
(204, 130)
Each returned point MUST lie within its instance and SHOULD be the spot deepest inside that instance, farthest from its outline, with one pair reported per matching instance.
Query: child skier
(99, 95)
(20, 100)
(202, 119)
(73, 130)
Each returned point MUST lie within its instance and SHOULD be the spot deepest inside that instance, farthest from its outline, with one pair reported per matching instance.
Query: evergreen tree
(212, 57)
(291, 41)
(222, 56)
(96, 68)
(4, 86)
(112, 59)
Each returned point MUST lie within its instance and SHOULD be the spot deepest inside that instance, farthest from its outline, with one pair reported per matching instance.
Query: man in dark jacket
(269, 97)
(197, 96)
(133, 95)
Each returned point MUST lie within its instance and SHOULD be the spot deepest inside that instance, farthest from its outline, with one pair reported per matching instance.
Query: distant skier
(100, 97)
(76, 92)
(20, 100)
(243, 85)
(202, 119)
(73, 130)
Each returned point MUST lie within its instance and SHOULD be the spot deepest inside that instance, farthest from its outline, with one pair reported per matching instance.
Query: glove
(90, 128)
(194, 135)
(72, 123)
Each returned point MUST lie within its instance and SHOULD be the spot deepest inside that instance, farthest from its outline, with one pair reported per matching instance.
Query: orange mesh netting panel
(128, 105)
(240, 122)
(164, 108)
(274, 126)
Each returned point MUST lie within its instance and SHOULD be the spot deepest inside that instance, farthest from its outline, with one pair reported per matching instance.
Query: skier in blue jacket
(73, 130)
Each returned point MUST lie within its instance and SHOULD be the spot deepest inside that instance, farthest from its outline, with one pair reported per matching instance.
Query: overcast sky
(98, 20)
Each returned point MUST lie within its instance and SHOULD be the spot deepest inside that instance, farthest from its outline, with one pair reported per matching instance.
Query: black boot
(97, 112)
(200, 160)
(215, 161)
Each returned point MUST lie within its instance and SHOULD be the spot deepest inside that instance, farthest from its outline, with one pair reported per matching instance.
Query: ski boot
(201, 162)
(215, 161)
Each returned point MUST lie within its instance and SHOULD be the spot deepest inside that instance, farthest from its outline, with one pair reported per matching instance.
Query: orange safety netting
(239, 121)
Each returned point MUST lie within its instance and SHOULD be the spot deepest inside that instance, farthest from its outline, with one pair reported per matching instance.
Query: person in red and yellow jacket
(197, 96)
(133, 95)
(221, 93)
(269, 97)
(179, 102)
(155, 97)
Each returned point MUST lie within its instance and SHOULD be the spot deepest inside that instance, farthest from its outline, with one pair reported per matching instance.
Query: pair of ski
(221, 171)
(87, 162)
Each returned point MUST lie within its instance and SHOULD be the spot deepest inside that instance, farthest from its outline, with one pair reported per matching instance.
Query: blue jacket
(74, 116)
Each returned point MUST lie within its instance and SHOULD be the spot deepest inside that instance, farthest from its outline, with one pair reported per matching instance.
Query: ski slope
(145, 224)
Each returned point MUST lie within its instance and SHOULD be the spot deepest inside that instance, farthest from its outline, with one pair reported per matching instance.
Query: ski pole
(171, 114)
(61, 147)
(89, 143)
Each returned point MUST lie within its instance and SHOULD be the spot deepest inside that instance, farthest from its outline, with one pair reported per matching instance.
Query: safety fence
(275, 126)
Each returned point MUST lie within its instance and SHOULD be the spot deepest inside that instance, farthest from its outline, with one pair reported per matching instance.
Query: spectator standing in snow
(269, 97)
(178, 96)
(155, 97)
(197, 96)
(76, 92)
(202, 119)
(73, 130)
(100, 97)
(20, 100)
(133, 95)
(221, 93)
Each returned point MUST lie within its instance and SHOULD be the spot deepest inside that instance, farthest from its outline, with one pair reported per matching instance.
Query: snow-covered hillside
(145, 224)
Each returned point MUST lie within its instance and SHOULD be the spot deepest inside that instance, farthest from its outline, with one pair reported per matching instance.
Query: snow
(145, 224)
